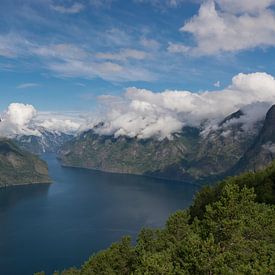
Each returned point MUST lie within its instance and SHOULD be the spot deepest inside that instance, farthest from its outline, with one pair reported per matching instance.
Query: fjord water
(50, 227)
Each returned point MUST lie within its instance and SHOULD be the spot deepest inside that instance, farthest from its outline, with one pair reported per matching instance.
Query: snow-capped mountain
(47, 142)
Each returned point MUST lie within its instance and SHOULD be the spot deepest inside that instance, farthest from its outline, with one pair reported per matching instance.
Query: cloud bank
(145, 114)
(142, 113)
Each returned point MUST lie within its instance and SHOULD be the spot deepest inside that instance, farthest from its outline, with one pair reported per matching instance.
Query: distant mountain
(46, 142)
(128, 155)
(19, 167)
(194, 154)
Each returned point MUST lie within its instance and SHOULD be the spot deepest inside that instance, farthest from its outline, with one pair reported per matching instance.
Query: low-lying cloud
(24, 119)
(142, 113)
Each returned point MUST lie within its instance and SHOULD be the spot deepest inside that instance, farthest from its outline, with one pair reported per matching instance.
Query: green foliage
(228, 230)
(263, 183)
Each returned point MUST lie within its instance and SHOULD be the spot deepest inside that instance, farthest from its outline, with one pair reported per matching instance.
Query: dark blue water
(49, 227)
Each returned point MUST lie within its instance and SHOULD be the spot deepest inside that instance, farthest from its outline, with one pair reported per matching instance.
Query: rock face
(262, 151)
(128, 155)
(47, 142)
(192, 155)
(18, 167)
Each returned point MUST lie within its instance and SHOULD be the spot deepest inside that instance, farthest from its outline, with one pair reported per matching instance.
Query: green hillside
(20, 167)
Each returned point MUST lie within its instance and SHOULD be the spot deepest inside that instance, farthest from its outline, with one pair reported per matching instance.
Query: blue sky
(61, 55)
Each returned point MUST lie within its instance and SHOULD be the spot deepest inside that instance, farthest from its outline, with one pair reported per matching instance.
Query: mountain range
(208, 152)
(193, 154)
(47, 142)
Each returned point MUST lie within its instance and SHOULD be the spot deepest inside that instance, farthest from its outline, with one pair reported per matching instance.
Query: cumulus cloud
(24, 119)
(142, 113)
(230, 26)
(16, 120)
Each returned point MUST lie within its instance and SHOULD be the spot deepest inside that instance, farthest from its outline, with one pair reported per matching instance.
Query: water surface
(51, 227)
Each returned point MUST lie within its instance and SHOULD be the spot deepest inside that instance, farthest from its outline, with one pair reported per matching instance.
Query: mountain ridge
(188, 156)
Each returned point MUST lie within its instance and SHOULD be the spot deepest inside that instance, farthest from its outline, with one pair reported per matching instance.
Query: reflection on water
(59, 225)
(11, 195)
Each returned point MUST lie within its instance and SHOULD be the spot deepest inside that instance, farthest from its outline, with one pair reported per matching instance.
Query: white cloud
(69, 60)
(177, 48)
(16, 120)
(101, 3)
(123, 55)
(250, 6)
(149, 43)
(231, 26)
(60, 51)
(217, 84)
(27, 85)
(251, 113)
(60, 125)
(75, 8)
(24, 119)
(106, 70)
(163, 3)
(12, 45)
(142, 113)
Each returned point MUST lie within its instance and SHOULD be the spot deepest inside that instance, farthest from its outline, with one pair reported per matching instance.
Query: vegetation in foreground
(229, 229)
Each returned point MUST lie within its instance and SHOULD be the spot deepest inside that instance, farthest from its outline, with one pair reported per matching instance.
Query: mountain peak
(270, 116)
(235, 115)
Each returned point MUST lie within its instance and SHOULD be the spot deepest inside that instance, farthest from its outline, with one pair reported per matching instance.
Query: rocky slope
(47, 142)
(128, 155)
(193, 155)
(262, 151)
(19, 167)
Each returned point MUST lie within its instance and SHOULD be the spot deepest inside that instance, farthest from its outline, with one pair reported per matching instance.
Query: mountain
(128, 155)
(46, 142)
(19, 167)
(262, 151)
(229, 229)
(194, 154)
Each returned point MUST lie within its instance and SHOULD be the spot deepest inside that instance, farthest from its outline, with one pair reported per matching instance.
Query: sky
(72, 55)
